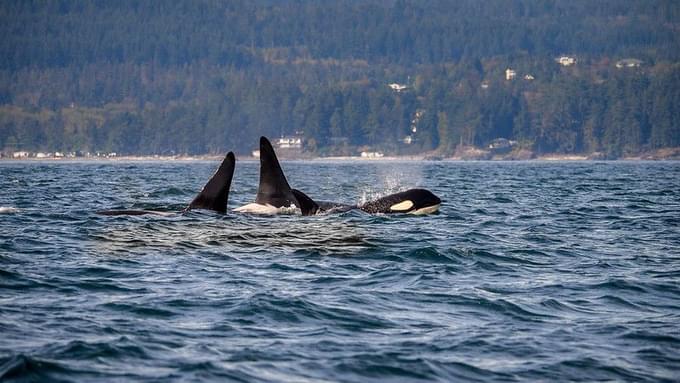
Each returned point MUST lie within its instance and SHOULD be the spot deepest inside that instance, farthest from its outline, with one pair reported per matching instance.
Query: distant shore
(661, 155)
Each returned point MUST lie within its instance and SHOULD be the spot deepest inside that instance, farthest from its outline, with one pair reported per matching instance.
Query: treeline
(158, 77)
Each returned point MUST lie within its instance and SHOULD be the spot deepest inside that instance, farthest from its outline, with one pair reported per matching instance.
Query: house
(628, 63)
(290, 142)
(21, 154)
(501, 145)
(510, 74)
(529, 77)
(371, 154)
(408, 139)
(566, 60)
(397, 87)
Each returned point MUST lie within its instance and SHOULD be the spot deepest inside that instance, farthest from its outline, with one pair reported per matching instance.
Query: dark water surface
(531, 271)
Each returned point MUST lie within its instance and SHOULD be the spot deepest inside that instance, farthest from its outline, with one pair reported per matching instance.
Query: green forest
(207, 76)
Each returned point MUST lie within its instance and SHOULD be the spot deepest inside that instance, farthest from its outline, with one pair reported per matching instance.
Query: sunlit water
(531, 271)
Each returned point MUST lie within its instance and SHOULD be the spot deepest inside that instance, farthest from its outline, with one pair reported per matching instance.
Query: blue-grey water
(530, 271)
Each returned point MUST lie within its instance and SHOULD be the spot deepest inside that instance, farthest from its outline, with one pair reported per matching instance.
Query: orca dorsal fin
(273, 188)
(215, 193)
(307, 205)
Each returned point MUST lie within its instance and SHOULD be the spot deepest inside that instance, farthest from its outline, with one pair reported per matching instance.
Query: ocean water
(530, 271)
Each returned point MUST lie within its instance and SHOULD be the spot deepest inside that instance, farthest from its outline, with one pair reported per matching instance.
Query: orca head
(273, 188)
(215, 193)
(412, 201)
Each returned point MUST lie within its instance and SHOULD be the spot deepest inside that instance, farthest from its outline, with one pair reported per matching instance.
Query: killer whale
(215, 193)
(412, 201)
(213, 196)
(274, 195)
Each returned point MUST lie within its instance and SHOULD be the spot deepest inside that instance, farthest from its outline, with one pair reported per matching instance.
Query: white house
(289, 143)
(628, 63)
(510, 74)
(371, 154)
(397, 87)
(566, 60)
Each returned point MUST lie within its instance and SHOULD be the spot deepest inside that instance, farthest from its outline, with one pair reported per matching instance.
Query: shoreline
(470, 155)
(544, 158)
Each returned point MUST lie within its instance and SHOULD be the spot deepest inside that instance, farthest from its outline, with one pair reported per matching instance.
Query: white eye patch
(402, 206)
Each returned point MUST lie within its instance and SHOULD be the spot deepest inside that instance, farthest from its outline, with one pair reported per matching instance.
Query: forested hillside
(206, 76)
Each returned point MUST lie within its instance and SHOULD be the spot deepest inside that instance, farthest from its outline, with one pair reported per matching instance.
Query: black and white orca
(412, 201)
(275, 196)
(213, 196)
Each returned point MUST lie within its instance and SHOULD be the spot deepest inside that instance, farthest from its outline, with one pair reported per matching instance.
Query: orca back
(307, 205)
(273, 188)
(215, 193)
(134, 212)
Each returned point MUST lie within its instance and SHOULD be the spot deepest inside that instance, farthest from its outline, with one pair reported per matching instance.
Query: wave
(22, 367)
(516, 279)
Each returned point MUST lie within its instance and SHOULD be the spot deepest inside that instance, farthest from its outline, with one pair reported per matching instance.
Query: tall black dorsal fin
(215, 193)
(273, 189)
(307, 205)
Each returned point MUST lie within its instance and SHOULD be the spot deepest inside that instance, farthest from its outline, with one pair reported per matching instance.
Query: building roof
(630, 62)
